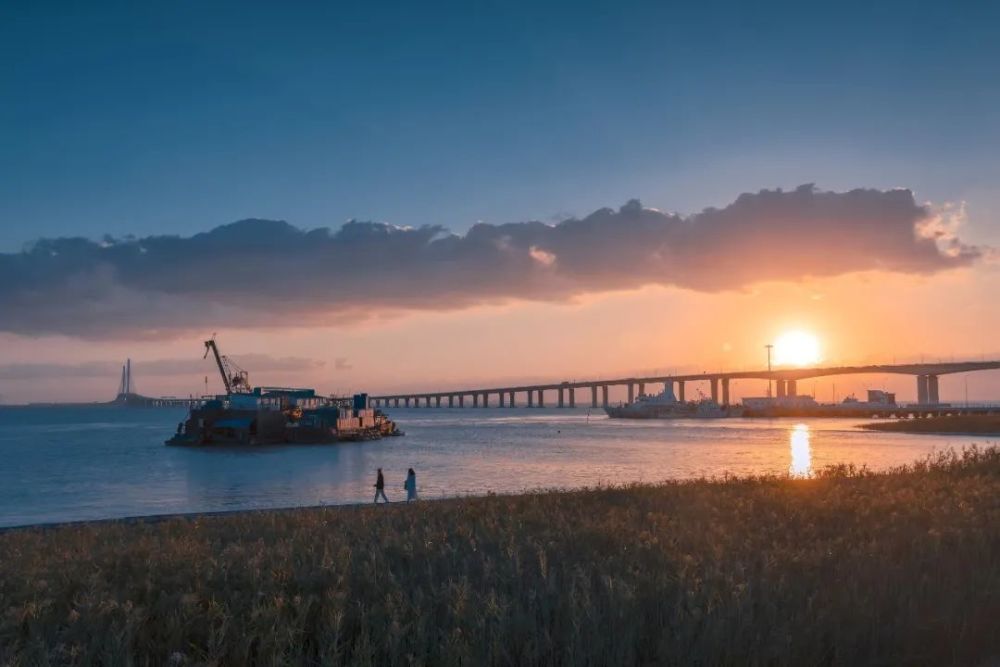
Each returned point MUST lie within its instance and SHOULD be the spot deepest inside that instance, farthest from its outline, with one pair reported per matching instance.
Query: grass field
(970, 424)
(848, 568)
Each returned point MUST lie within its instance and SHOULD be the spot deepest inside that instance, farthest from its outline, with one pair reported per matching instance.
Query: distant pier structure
(786, 381)
(128, 396)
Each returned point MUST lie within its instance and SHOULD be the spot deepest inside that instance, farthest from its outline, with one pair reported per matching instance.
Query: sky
(377, 196)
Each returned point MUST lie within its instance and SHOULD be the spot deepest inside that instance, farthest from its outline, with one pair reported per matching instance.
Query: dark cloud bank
(269, 273)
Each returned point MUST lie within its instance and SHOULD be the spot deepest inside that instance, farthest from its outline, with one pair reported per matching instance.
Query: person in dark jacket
(380, 487)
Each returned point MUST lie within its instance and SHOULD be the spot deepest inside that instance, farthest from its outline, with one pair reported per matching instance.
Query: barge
(247, 415)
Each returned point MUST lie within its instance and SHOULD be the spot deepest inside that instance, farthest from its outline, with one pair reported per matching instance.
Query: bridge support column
(932, 389)
(486, 400)
(512, 403)
(593, 395)
(500, 398)
(631, 392)
(668, 386)
(427, 401)
(531, 398)
(562, 403)
(461, 400)
(680, 391)
(541, 398)
(725, 391)
(437, 401)
(780, 388)
(475, 400)
(715, 389)
(572, 397)
(397, 402)
(642, 388)
(922, 389)
(407, 401)
(604, 395)
(451, 400)
(791, 388)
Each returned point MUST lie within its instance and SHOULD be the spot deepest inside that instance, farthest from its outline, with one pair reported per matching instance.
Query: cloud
(342, 364)
(265, 273)
(155, 367)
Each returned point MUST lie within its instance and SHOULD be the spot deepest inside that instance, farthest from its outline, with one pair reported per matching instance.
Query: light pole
(769, 347)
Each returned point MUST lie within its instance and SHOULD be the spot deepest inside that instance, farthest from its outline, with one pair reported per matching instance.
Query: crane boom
(235, 379)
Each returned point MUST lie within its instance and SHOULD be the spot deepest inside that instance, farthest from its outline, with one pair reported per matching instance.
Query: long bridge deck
(786, 380)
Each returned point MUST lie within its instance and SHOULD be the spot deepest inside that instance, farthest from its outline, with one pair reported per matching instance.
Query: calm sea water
(63, 464)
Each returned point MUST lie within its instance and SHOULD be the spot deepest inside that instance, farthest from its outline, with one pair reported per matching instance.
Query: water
(63, 464)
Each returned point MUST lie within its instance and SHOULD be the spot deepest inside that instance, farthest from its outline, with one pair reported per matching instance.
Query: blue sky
(173, 118)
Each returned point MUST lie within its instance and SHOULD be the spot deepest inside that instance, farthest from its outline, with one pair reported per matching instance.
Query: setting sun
(796, 348)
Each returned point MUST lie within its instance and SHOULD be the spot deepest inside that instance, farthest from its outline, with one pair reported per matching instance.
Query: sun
(796, 348)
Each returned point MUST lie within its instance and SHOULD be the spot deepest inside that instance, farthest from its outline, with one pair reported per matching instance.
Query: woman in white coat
(411, 485)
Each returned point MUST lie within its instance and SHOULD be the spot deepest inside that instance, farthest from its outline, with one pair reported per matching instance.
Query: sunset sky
(391, 197)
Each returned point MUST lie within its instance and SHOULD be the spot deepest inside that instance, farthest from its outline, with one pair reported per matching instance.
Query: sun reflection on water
(801, 464)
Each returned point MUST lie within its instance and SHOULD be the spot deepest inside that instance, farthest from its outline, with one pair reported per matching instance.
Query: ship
(247, 415)
(666, 406)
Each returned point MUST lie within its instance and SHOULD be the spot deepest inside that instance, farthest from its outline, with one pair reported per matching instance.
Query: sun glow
(796, 348)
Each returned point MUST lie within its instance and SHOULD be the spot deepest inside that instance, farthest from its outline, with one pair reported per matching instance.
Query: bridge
(129, 397)
(785, 379)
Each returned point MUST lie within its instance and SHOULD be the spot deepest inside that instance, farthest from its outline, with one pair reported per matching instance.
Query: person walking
(410, 485)
(380, 487)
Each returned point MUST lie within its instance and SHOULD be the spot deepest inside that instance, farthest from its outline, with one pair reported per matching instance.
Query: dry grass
(973, 424)
(849, 568)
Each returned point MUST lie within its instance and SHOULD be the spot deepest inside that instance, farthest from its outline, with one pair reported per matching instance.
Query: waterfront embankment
(957, 424)
(851, 567)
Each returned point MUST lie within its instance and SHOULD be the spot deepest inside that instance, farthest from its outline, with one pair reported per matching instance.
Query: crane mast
(235, 379)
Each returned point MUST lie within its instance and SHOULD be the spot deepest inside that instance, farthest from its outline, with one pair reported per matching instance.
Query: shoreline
(964, 425)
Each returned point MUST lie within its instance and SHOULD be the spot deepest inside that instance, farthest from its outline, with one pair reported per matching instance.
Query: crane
(235, 379)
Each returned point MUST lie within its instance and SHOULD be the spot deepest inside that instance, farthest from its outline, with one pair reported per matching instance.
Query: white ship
(666, 406)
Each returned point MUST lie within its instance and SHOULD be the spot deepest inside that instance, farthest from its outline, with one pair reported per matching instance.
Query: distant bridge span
(786, 380)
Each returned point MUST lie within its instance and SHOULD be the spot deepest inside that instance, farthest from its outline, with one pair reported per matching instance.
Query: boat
(666, 406)
(247, 415)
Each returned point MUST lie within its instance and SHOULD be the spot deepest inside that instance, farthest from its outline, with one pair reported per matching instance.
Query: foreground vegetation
(849, 568)
(956, 424)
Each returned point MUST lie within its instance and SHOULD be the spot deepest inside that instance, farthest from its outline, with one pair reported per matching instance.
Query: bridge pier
(572, 397)
(475, 400)
(715, 389)
(791, 388)
(604, 395)
(725, 391)
(922, 389)
(932, 390)
(593, 395)
(512, 404)
(779, 388)
(680, 391)
(631, 392)
(427, 402)
(486, 400)
(541, 398)
(642, 388)
(437, 401)
(562, 403)
(531, 398)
